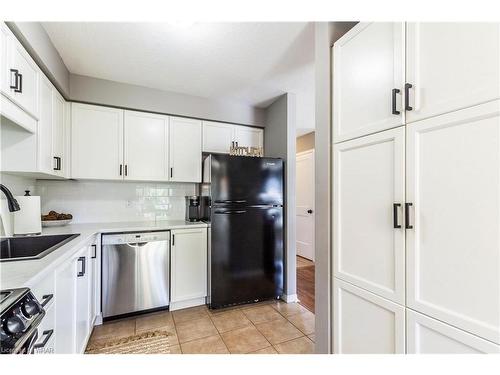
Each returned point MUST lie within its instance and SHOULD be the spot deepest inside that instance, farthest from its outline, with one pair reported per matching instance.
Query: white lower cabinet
(365, 323)
(430, 336)
(74, 295)
(188, 267)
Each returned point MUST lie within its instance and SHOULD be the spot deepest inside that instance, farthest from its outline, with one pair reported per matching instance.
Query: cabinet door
(185, 150)
(94, 275)
(188, 264)
(65, 324)
(146, 144)
(217, 137)
(453, 249)
(96, 142)
(368, 64)
(5, 74)
(83, 299)
(58, 134)
(365, 323)
(429, 336)
(451, 66)
(45, 128)
(369, 179)
(246, 136)
(26, 95)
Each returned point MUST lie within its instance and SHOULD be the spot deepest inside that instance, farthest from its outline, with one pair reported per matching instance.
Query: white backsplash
(106, 201)
(17, 184)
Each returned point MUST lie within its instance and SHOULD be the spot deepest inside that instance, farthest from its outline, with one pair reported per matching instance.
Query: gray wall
(325, 35)
(100, 91)
(279, 142)
(38, 44)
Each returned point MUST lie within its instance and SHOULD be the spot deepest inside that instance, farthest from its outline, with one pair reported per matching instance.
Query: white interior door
(368, 64)
(451, 65)
(145, 146)
(453, 249)
(185, 150)
(368, 230)
(365, 323)
(96, 142)
(429, 336)
(305, 204)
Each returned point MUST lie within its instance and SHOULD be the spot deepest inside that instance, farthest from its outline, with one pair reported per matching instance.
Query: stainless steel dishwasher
(135, 272)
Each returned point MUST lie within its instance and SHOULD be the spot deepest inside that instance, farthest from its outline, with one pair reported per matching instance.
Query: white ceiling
(247, 62)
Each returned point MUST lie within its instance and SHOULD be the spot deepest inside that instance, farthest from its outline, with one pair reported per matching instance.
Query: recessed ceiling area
(252, 63)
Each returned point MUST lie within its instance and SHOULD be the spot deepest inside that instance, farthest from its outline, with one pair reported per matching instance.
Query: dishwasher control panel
(138, 237)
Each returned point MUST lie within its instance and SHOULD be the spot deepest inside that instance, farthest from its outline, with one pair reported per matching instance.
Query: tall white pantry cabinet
(416, 188)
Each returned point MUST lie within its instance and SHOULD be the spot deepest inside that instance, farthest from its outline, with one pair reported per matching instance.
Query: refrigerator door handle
(232, 201)
(231, 212)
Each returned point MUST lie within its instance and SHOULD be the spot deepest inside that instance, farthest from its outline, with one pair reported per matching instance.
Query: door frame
(313, 156)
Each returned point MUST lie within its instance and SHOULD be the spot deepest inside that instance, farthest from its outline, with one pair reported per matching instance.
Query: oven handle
(48, 334)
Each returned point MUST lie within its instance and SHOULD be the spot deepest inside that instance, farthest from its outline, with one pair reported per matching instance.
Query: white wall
(115, 201)
(280, 142)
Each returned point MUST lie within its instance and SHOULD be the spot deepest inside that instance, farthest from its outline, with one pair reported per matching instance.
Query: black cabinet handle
(121, 166)
(126, 169)
(83, 260)
(46, 299)
(395, 208)
(173, 239)
(58, 163)
(95, 252)
(20, 88)
(16, 79)
(407, 216)
(171, 172)
(408, 86)
(394, 93)
(48, 334)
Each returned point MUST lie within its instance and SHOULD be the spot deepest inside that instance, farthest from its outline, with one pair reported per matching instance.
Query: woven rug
(145, 343)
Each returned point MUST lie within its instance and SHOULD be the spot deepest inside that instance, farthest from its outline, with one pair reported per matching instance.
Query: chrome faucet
(11, 201)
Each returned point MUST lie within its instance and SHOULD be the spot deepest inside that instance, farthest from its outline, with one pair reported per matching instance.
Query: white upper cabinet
(368, 79)
(429, 336)
(451, 66)
(185, 150)
(364, 323)
(369, 196)
(58, 134)
(246, 136)
(45, 128)
(217, 137)
(20, 74)
(96, 142)
(453, 245)
(146, 146)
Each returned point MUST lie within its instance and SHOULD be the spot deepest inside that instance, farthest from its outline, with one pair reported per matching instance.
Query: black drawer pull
(58, 163)
(48, 334)
(46, 299)
(407, 216)
(16, 79)
(95, 252)
(408, 86)
(395, 208)
(20, 88)
(83, 260)
(394, 93)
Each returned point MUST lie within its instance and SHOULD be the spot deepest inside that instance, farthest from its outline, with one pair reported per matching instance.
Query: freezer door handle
(231, 212)
(231, 201)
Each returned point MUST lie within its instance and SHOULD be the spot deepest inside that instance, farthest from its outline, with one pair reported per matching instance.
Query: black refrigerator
(246, 228)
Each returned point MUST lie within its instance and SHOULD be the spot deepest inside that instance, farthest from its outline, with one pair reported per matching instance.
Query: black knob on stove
(14, 325)
(30, 308)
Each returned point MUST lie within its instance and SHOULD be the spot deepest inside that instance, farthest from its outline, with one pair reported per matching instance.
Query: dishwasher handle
(136, 244)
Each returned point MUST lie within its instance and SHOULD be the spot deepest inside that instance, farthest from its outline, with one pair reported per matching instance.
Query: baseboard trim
(185, 304)
(290, 298)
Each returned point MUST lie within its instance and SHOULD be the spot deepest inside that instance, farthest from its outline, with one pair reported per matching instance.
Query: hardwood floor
(305, 283)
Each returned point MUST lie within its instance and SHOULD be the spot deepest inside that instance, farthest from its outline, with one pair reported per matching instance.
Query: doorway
(305, 228)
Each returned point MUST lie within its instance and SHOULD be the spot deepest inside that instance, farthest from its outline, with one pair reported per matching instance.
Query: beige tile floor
(264, 328)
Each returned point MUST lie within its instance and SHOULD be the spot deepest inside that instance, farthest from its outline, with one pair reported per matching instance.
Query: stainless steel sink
(36, 247)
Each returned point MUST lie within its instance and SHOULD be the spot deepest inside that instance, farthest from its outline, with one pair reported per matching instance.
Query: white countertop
(26, 273)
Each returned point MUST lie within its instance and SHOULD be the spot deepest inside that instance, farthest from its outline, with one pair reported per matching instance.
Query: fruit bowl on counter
(55, 219)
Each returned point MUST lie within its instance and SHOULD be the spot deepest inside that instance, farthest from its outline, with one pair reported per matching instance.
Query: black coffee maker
(197, 208)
